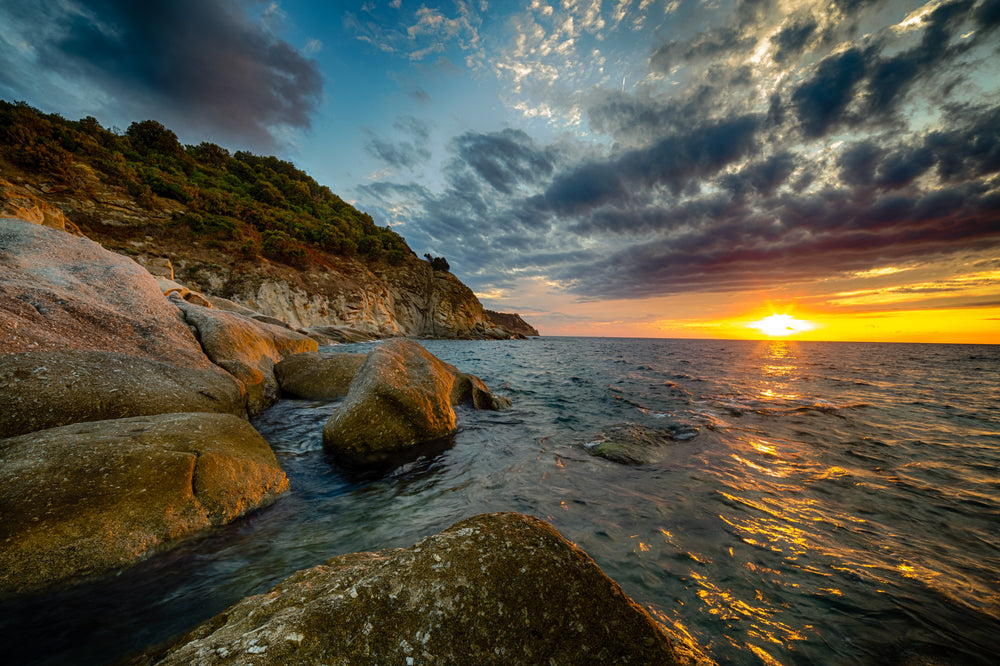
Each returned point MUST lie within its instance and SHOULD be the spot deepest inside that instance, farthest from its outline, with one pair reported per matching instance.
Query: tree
(438, 263)
(151, 135)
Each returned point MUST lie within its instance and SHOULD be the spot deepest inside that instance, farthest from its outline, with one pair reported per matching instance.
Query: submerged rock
(494, 589)
(88, 498)
(631, 444)
(402, 395)
(318, 375)
(40, 390)
(246, 348)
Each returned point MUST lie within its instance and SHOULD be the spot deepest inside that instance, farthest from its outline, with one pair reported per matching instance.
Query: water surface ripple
(839, 504)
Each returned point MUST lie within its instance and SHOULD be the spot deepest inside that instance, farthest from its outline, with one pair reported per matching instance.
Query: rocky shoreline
(124, 431)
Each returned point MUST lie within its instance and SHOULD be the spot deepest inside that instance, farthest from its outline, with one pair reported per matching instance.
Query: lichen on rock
(87, 498)
(401, 396)
(493, 589)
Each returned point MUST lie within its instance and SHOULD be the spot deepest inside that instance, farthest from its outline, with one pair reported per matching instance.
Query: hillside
(250, 228)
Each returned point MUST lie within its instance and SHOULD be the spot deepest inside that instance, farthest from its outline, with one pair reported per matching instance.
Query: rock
(469, 388)
(512, 324)
(318, 375)
(17, 201)
(229, 306)
(168, 287)
(60, 292)
(401, 396)
(494, 589)
(246, 348)
(160, 267)
(631, 444)
(340, 334)
(40, 390)
(88, 498)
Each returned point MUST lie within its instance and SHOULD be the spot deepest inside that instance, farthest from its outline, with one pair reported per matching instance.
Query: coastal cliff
(254, 230)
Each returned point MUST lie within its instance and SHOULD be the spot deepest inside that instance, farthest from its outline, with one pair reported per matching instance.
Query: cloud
(504, 159)
(404, 153)
(766, 149)
(196, 64)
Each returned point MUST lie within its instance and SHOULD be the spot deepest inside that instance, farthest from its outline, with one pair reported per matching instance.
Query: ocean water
(822, 503)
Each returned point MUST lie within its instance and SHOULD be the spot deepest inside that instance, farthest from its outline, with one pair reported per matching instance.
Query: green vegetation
(438, 263)
(257, 205)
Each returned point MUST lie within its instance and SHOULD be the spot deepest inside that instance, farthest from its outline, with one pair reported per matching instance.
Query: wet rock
(246, 348)
(40, 390)
(318, 375)
(60, 292)
(495, 589)
(631, 444)
(402, 395)
(88, 498)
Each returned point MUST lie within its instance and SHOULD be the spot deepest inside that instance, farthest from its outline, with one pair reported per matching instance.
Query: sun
(781, 324)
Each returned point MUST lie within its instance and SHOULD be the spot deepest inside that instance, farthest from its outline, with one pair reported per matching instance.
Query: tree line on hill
(261, 206)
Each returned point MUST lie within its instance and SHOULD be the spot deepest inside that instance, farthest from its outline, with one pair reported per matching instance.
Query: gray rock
(40, 390)
(318, 375)
(88, 498)
(494, 589)
(246, 348)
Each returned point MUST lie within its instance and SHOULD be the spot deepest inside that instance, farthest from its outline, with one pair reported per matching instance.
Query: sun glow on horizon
(778, 325)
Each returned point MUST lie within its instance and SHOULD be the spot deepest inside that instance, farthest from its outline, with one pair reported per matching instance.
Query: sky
(647, 168)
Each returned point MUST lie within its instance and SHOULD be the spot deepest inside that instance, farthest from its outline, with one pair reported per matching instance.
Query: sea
(818, 503)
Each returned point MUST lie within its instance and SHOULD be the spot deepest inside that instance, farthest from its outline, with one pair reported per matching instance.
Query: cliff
(254, 230)
(511, 322)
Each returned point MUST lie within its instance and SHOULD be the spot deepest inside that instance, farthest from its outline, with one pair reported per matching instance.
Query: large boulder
(246, 348)
(46, 389)
(62, 292)
(401, 396)
(494, 589)
(92, 497)
(318, 375)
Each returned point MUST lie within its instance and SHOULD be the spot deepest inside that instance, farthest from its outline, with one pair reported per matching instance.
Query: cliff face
(405, 298)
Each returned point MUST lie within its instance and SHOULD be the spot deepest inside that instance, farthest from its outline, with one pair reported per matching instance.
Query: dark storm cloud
(672, 161)
(199, 64)
(504, 159)
(747, 250)
(823, 99)
(792, 39)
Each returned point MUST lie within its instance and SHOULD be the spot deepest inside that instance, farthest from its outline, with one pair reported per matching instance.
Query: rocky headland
(124, 432)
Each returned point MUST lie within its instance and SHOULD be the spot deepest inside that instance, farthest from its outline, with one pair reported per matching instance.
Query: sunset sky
(626, 167)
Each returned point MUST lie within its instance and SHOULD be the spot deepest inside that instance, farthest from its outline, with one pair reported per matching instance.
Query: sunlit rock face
(402, 395)
(88, 498)
(246, 348)
(494, 589)
(47, 389)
